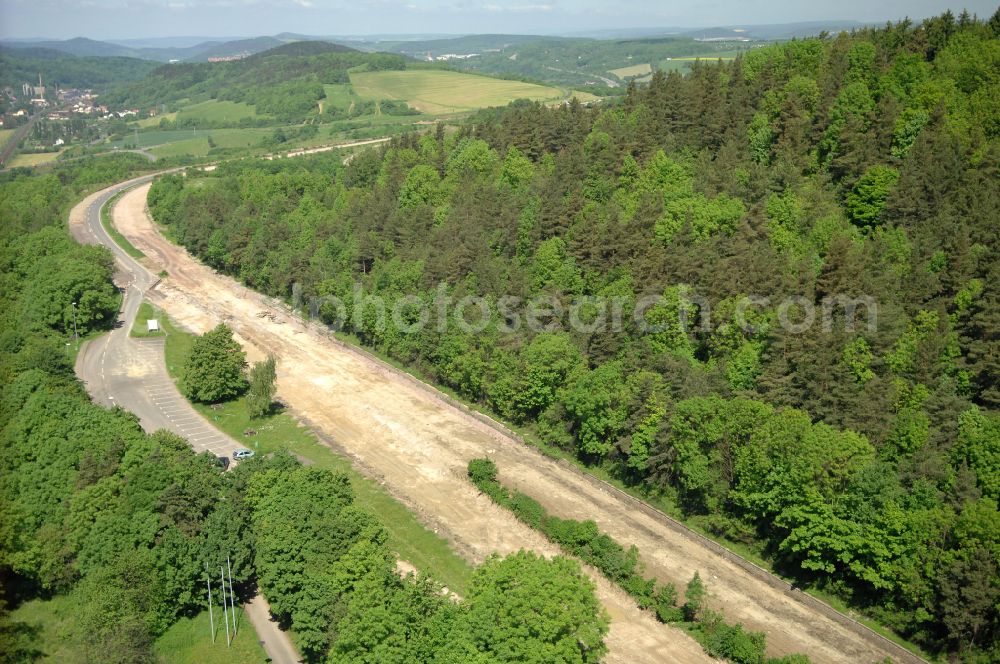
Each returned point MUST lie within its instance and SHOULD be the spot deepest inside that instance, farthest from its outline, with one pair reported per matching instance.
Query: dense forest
(813, 230)
(125, 523)
(285, 82)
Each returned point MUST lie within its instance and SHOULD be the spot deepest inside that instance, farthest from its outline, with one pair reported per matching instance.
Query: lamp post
(76, 335)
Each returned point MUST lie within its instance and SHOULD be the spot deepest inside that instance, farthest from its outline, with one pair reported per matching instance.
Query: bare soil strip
(419, 445)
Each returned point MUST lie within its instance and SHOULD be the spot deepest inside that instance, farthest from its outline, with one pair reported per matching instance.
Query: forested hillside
(812, 230)
(125, 524)
(285, 82)
(19, 66)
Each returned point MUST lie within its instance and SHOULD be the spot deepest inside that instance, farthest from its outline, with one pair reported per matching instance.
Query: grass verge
(55, 627)
(53, 624)
(410, 539)
(146, 312)
(189, 641)
(110, 229)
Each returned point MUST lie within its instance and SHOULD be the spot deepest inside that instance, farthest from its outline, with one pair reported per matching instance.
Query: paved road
(275, 642)
(129, 372)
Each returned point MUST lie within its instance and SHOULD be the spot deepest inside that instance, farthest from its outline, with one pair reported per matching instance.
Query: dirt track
(419, 446)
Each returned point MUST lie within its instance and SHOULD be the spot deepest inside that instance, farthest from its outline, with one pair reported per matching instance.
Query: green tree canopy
(215, 370)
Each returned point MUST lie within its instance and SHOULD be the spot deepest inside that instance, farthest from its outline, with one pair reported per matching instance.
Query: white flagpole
(225, 614)
(232, 604)
(211, 620)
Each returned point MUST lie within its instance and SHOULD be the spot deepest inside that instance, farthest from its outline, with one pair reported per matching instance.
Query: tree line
(858, 459)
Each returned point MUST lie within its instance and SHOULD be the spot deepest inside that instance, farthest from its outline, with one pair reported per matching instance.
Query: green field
(155, 120)
(146, 311)
(413, 542)
(35, 159)
(436, 91)
(145, 139)
(5, 134)
(190, 142)
(214, 110)
(339, 96)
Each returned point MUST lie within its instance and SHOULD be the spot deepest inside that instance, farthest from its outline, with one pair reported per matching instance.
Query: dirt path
(419, 446)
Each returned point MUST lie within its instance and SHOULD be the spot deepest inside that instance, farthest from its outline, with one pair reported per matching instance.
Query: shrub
(665, 603)
(527, 509)
(733, 643)
(641, 589)
(694, 598)
(482, 471)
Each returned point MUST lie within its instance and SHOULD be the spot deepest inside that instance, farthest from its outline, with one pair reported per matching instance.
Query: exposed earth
(418, 444)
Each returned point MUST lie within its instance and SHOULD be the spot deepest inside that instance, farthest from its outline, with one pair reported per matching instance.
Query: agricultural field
(682, 64)
(192, 142)
(634, 70)
(5, 134)
(435, 91)
(155, 120)
(339, 96)
(33, 159)
(145, 139)
(214, 110)
(585, 97)
(223, 138)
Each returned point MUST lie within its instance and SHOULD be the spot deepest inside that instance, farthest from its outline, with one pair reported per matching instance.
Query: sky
(131, 19)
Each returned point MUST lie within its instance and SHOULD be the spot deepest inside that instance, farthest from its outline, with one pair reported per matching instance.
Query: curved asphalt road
(131, 372)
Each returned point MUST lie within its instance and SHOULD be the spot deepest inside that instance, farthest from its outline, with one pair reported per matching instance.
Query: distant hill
(24, 65)
(36, 53)
(199, 49)
(184, 41)
(773, 32)
(81, 46)
(303, 48)
(467, 44)
(223, 49)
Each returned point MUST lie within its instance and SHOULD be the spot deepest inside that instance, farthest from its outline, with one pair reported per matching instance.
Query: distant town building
(230, 58)
(34, 91)
(456, 56)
